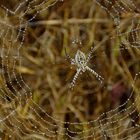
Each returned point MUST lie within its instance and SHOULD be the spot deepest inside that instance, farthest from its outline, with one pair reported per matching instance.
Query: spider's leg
(99, 77)
(75, 78)
(89, 56)
(71, 60)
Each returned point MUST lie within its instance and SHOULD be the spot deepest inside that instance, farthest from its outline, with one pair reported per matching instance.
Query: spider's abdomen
(80, 60)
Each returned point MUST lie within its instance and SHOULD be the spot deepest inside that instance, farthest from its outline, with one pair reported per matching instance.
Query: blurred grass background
(48, 73)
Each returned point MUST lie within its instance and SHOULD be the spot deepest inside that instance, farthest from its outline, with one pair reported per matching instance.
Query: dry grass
(45, 69)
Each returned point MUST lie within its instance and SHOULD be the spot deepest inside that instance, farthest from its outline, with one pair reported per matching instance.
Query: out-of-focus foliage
(35, 99)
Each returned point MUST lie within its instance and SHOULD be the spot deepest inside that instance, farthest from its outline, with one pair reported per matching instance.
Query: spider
(81, 61)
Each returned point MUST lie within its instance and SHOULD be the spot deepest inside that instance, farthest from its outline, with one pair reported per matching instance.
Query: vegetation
(69, 25)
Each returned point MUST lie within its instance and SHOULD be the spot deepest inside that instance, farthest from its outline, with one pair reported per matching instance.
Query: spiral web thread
(107, 125)
(120, 9)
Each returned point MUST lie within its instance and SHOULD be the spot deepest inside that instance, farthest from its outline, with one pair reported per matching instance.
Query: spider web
(19, 100)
